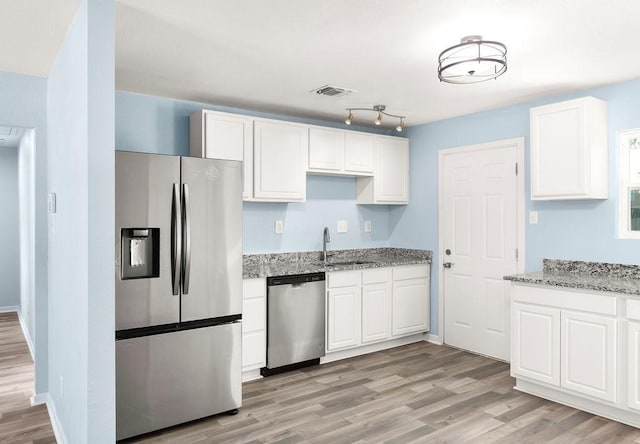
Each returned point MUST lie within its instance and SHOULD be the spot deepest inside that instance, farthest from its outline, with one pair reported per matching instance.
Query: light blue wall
(81, 173)
(578, 230)
(9, 228)
(23, 103)
(161, 125)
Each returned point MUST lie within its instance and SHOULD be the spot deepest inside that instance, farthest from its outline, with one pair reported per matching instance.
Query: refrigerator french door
(178, 290)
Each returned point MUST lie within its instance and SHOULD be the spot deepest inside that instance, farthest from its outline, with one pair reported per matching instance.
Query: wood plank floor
(19, 421)
(415, 393)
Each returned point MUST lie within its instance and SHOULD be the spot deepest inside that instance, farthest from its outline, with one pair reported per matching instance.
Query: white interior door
(479, 245)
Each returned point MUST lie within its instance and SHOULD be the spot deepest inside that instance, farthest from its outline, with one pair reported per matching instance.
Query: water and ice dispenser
(140, 253)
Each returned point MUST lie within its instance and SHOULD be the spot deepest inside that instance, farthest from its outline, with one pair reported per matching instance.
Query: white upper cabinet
(280, 158)
(358, 152)
(326, 150)
(226, 136)
(390, 181)
(569, 152)
(337, 152)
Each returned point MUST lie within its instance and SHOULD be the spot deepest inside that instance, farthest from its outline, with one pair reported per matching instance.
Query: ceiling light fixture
(380, 110)
(472, 61)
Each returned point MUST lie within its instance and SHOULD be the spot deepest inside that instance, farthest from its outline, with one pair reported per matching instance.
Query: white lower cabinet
(536, 343)
(410, 307)
(254, 332)
(376, 305)
(588, 360)
(344, 315)
(360, 309)
(633, 373)
(576, 347)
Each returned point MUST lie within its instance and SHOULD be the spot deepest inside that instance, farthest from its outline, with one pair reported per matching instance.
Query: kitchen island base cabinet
(633, 375)
(578, 348)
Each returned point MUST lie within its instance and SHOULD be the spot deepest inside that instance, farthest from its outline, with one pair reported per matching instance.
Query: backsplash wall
(161, 125)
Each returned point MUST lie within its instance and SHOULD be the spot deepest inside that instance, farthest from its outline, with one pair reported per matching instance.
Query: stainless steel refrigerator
(178, 290)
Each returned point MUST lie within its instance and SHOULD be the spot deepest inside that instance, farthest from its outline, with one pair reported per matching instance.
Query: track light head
(378, 120)
(400, 126)
(349, 118)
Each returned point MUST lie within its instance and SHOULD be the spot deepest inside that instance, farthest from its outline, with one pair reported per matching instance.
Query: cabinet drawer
(376, 276)
(343, 279)
(567, 299)
(254, 288)
(410, 272)
(633, 309)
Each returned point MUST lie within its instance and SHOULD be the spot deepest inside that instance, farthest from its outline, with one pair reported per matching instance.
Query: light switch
(342, 226)
(279, 227)
(533, 217)
(367, 226)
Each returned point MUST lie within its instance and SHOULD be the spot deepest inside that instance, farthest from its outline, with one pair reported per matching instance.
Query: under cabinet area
(569, 150)
(376, 305)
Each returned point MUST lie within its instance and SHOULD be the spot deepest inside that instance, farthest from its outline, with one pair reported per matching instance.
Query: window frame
(625, 185)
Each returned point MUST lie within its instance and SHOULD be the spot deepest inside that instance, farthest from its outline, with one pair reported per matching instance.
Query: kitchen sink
(353, 262)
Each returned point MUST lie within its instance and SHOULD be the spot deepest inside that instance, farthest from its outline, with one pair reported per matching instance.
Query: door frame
(520, 196)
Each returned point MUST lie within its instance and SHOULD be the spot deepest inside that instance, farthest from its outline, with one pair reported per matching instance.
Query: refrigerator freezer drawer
(167, 379)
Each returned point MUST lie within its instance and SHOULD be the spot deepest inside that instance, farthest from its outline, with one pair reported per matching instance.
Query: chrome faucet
(325, 240)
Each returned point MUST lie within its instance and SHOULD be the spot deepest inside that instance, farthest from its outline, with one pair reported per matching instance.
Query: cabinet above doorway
(277, 155)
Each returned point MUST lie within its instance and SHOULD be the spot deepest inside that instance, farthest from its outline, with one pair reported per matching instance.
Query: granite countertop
(617, 278)
(283, 264)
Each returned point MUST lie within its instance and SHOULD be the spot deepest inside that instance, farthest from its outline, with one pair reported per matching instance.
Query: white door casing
(481, 227)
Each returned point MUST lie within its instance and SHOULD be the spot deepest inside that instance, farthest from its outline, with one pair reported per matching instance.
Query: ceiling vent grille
(332, 91)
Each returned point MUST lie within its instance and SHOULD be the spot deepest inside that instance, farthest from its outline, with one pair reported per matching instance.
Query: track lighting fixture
(380, 110)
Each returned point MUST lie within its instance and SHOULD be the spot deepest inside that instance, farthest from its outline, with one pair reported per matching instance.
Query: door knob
(447, 265)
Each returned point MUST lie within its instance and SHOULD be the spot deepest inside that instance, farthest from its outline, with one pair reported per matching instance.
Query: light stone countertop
(599, 276)
(284, 264)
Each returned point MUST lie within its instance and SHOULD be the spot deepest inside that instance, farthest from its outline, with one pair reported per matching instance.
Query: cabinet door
(326, 149)
(280, 154)
(588, 361)
(254, 313)
(376, 313)
(410, 306)
(535, 346)
(358, 152)
(227, 135)
(343, 320)
(391, 181)
(569, 150)
(633, 344)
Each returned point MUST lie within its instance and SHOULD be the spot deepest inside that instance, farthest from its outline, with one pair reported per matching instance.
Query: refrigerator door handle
(176, 241)
(186, 238)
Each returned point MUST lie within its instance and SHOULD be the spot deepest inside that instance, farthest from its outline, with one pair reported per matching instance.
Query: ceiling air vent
(332, 91)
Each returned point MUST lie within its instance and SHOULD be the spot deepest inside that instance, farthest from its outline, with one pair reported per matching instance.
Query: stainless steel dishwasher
(295, 322)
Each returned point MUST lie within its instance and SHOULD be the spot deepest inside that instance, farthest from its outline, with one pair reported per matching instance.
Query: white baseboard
(370, 348)
(23, 326)
(434, 339)
(251, 375)
(58, 431)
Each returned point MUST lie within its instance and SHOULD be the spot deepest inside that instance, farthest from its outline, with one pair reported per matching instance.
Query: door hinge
(516, 168)
(516, 254)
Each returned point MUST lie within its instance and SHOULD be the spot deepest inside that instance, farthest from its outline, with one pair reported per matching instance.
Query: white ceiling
(268, 55)
(31, 32)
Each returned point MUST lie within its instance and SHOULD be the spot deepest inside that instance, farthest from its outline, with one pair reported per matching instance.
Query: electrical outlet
(342, 226)
(61, 387)
(51, 202)
(367, 226)
(279, 227)
(533, 217)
